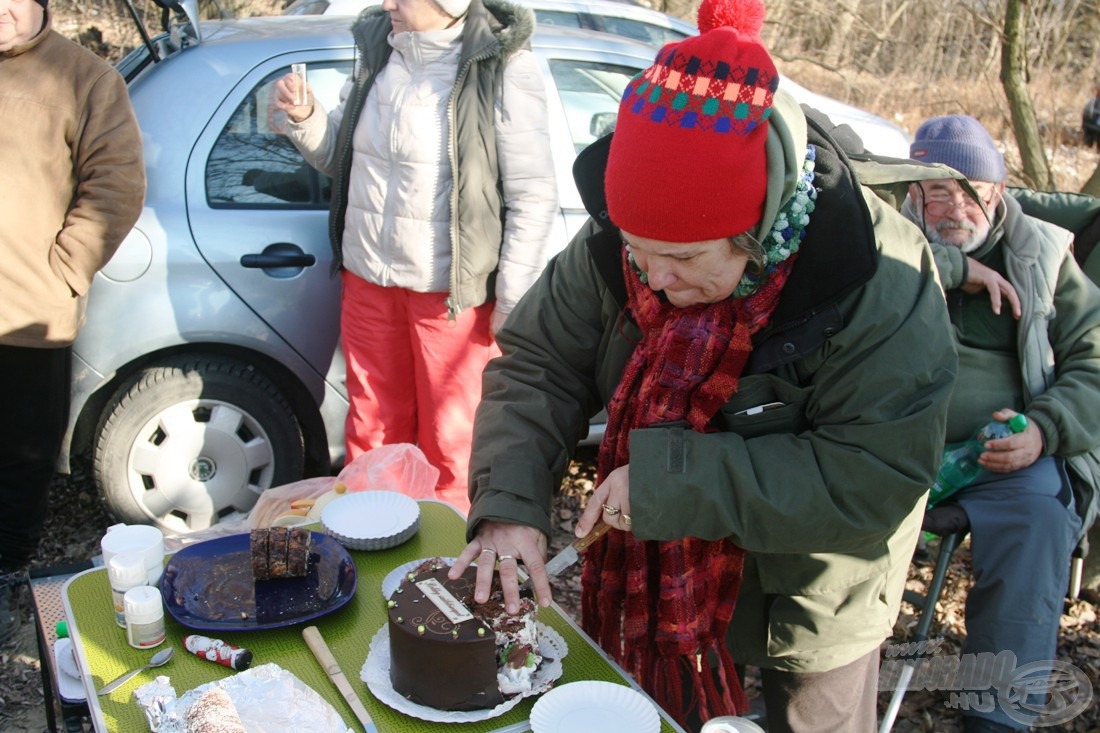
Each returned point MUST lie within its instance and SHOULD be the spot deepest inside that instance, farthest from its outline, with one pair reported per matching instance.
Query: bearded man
(1026, 322)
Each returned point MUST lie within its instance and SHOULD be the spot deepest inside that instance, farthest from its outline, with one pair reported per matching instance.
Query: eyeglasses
(942, 201)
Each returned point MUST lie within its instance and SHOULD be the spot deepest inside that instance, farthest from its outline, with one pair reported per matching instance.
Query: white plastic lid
(143, 604)
(127, 569)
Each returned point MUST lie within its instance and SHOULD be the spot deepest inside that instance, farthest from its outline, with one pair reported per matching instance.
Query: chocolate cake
(279, 552)
(450, 653)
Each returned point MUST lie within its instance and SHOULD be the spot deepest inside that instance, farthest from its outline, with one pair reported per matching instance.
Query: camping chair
(950, 522)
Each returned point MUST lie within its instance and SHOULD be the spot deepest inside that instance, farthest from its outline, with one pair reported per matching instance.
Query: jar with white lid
(144, 617)
(125, 570)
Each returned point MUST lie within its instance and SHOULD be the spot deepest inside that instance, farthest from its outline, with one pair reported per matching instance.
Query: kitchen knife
(328, 663)
(570, 554)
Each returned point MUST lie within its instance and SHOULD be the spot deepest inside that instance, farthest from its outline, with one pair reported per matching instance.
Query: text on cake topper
(451, 607)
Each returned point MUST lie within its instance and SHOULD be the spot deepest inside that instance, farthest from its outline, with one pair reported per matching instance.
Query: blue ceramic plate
(209, 586)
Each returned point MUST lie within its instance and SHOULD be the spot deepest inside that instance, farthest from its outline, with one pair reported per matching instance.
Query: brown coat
(72, 183)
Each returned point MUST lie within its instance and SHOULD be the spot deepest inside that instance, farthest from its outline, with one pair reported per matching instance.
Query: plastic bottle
(144, 617)
(125, 570)
(960, 467)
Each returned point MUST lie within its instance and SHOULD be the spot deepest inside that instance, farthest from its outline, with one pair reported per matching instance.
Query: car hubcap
(199, 462)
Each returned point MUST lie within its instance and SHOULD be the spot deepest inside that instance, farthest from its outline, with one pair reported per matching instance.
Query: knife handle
(317, 645)
(597, 532)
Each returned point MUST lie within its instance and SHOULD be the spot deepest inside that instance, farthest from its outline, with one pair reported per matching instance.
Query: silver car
(208, 369)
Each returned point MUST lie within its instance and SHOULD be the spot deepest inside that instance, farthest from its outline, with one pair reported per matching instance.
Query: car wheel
(189, 442)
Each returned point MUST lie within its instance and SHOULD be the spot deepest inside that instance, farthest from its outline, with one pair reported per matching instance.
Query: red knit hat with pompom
(687, 161)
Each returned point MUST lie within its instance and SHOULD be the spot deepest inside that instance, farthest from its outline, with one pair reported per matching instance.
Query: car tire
(189, 442)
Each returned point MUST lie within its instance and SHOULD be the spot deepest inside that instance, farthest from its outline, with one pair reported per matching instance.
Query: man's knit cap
(687, 160)
(961, 142)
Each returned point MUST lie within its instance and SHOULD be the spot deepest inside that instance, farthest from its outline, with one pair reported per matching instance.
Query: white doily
(376, 673)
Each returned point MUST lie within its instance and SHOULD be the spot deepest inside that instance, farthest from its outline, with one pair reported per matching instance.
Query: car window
(253, 165)
(654, 35)
(558, 18)
(590, 93)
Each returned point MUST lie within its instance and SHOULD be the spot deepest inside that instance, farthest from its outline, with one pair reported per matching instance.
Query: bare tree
(1014, 78)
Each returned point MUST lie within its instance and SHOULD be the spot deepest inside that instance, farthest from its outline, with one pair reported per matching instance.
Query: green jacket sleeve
(952, 265)
(538, 396)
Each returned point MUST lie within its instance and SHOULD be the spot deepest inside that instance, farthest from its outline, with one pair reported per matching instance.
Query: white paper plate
(601, 706)
(376, 673)
(371, 520)
(70, 687)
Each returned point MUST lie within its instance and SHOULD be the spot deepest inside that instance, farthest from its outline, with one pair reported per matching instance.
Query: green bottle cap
(61, 629)
(1018, 423)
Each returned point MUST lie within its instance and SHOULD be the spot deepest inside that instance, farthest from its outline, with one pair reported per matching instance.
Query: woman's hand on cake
(610, 501)
(503, 546)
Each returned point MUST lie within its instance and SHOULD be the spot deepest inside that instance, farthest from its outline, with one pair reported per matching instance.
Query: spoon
(159, 659)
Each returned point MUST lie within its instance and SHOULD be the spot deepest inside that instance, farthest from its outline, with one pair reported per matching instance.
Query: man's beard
(976, 234)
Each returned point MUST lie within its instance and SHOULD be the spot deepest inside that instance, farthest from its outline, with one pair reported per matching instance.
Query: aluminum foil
(268, 698)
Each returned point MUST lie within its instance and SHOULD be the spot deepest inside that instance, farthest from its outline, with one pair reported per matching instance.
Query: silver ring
(490, 550)
(507, 557)
(611, 510)
(626, 520)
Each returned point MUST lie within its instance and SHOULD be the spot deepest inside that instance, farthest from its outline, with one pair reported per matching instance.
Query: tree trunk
(840, 34)
(1014, 80)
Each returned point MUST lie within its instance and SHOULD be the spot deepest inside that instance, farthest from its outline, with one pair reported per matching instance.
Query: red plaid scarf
(656, 606)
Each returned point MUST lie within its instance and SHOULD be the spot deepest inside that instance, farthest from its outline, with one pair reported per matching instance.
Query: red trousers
(413, 376)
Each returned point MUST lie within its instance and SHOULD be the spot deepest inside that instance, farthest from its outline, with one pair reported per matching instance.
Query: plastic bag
(401, 467)
(278, 500)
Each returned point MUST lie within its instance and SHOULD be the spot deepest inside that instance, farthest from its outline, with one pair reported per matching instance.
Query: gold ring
(490, 550)
(626, 520)
(612, 510)
(507, 557)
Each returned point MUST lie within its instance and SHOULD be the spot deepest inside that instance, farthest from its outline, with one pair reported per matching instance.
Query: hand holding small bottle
(294, 95)
(1013, 452)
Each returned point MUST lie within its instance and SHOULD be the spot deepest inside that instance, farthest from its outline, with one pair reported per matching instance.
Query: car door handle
(280, 254)
(266, 261)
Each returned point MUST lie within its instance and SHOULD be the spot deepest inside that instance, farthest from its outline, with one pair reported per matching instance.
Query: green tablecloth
(347, 631)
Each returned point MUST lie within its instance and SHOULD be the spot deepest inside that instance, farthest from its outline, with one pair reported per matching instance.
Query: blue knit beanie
(962, 143)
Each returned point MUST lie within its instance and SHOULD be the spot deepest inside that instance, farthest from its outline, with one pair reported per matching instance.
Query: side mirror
(602, 123)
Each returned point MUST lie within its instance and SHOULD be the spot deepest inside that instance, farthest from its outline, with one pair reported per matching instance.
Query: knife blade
(570, 554)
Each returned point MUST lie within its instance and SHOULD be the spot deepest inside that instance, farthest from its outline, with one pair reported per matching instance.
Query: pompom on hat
(687, 161)
(962, 143)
